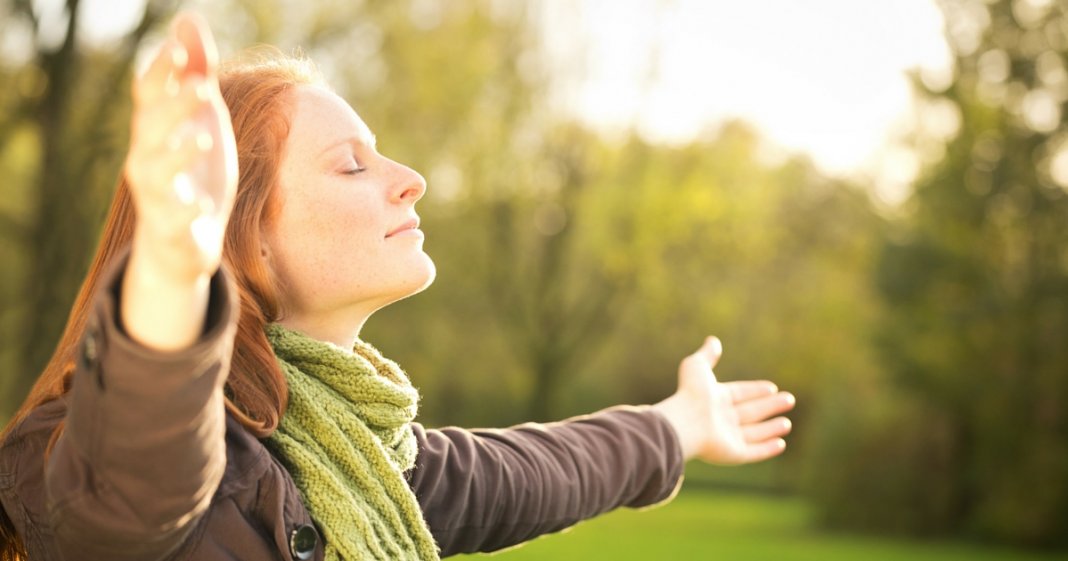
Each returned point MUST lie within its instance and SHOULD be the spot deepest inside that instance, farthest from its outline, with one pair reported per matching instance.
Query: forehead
(321, 119)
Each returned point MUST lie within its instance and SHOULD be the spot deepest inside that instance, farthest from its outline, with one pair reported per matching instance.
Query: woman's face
(346, 240)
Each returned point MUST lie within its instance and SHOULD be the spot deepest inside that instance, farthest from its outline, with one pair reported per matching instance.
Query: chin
(429, 273)
(422, 276)
(414, 280)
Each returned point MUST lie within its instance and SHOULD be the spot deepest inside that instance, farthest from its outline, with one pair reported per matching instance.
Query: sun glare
(824, 77)
(827, 78)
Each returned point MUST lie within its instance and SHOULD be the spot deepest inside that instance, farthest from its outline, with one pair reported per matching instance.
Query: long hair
(255, 88)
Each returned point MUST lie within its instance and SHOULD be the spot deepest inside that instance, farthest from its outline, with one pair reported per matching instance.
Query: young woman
(211, 398)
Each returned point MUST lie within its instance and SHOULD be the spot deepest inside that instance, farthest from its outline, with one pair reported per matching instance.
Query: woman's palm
(182, 165)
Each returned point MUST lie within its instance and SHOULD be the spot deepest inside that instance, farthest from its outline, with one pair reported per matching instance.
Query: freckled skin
(330, 242)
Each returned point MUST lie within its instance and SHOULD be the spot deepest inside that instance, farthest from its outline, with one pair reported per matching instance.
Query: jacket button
(302, 542)
(89, 349)
(90, 354)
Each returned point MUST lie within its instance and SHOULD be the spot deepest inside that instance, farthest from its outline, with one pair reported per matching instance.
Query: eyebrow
(372, 141)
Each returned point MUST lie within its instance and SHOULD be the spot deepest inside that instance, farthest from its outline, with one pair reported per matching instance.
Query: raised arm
(143, 449)
(182, 172)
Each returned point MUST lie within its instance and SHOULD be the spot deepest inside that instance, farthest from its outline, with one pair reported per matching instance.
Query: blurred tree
(974, 437)
(575, 270)
(769, 255)
(458, 100)
(61, 134)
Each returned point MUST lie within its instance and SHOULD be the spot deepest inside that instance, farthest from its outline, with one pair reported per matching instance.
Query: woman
(211, 398)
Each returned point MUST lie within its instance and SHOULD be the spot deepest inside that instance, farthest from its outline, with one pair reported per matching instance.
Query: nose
(408, 185)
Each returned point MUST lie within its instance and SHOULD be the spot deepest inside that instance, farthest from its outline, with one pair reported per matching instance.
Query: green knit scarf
(346, 440)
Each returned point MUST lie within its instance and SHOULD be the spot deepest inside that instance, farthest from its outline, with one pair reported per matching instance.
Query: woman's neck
(341, 333)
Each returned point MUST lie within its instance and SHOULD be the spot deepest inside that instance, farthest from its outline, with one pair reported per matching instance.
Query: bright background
(865, 200)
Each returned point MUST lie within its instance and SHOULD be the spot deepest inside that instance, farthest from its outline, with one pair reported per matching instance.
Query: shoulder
(23, 455)
(255, 508)
(23, 493)
(25, 444)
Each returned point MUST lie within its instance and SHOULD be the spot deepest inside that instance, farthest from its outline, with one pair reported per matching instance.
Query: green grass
(701, 524)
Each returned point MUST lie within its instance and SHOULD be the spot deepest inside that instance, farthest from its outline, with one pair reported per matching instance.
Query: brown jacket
(150, 467)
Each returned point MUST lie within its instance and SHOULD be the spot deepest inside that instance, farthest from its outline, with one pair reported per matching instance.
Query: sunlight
(827, 77)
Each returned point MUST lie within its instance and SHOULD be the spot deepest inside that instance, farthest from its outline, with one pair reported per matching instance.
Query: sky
(823, 77)
(826, 78)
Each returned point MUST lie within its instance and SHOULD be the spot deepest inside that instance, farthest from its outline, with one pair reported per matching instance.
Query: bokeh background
(867, 201)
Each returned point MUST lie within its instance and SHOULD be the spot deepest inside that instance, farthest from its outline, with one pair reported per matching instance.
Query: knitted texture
(346, 440)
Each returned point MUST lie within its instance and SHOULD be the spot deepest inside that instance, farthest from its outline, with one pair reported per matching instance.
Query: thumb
(711, 350)
(696, 369)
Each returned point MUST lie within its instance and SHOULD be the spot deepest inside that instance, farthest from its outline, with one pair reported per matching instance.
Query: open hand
(182, 164)
(725, 423)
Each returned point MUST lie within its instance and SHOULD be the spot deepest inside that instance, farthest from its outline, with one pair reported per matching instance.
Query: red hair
(255, 90)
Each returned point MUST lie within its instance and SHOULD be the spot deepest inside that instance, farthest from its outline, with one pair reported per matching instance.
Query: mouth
(409, 226)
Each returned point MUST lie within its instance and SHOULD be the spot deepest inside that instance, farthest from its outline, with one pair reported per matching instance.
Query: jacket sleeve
(484, 490)
(143, 448)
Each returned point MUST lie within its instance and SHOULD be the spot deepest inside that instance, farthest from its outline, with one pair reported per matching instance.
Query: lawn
(703, 524)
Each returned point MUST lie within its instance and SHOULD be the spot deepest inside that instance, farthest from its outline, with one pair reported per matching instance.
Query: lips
(412, 224)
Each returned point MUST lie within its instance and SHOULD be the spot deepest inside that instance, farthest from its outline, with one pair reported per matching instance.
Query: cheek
(340, 231)
(323, 243)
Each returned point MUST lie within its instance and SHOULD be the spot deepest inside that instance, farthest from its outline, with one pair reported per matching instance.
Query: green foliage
(976, 286)
(62, 136)
(891, 451)
(575, 270)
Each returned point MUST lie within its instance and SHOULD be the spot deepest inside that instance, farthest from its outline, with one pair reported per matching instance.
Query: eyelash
(354, 171)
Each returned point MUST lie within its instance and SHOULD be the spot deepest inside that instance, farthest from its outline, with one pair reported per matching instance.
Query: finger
(164, 68)
(764, 450)
(152, 172)
(194, 34)
(750, 389)
(772, 428)
(155, 123)
(756, 410)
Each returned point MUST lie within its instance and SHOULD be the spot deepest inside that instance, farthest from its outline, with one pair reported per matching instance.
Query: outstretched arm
(484, 490)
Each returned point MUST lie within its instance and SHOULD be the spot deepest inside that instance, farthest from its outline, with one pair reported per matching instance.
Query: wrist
(169, 261)
(160, 309)
(682, 420)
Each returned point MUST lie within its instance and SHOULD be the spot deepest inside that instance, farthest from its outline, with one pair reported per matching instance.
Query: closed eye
(354, 171)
